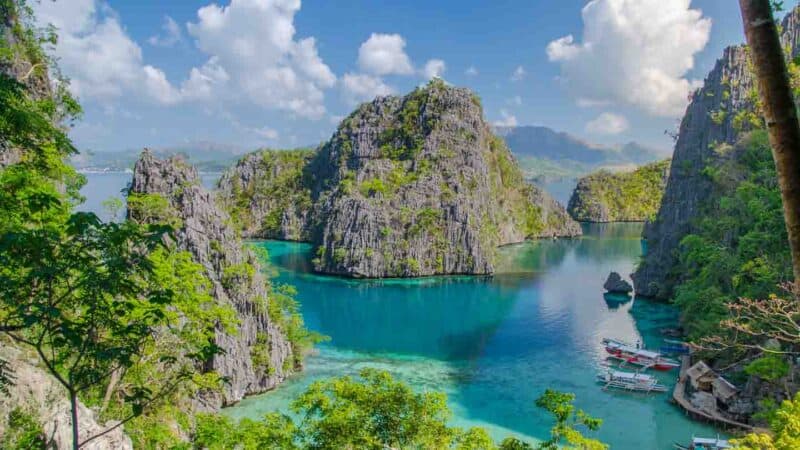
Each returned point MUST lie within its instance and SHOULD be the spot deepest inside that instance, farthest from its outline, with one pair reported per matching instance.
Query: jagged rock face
(615, 284)
(729, 87)
(606, 196)
(266, 194)
(38, 393)
(205, 231)
(716, 116)
(413, 186)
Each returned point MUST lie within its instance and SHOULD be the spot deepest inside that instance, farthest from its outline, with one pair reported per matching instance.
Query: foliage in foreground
(375, 411)
(785, 428)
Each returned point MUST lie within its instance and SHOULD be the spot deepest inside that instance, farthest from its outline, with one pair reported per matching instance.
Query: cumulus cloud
(634, 52)
(518, 74)
(252, 42)
(171, 34)
(434, 68)
(94, 50)
(361, 87)
(608, 124)
(384, 54)
(253, 56)
(507, 119)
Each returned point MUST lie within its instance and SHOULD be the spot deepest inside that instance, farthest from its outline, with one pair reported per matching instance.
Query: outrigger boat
(638, 356)
(705, 444)
(630, 381)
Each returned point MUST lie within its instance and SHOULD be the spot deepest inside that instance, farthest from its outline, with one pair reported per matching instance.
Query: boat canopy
(717, 443)
(636, 351)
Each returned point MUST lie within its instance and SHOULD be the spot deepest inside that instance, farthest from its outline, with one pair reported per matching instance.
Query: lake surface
(493, 344)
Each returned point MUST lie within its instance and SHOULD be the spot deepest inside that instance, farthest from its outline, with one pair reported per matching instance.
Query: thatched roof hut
(701, 376)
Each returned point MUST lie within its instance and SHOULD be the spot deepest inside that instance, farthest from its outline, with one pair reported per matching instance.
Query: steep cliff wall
(171, 190)
(633, 196)
(716, 116)
(407, 186)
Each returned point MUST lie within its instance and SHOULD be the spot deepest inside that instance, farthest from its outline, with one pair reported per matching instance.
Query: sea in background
(493, 344)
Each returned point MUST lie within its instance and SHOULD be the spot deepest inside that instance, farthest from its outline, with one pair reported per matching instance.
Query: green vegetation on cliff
(263, 188)
(740, 246)
(620, 196)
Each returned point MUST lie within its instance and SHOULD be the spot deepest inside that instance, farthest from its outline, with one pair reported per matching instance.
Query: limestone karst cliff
(407, 186)
(170, 190)
(718, 115)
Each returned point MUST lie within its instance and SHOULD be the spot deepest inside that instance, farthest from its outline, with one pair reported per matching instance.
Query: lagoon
(493, 344)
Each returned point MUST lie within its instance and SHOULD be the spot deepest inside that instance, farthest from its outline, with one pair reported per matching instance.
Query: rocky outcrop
(633, 196)
(409, 186)
(206, 232)
(718, 114)
(267, 196)
(616, 285)
(36, 392)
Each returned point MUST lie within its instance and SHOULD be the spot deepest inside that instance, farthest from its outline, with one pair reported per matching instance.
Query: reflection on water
(493, 344)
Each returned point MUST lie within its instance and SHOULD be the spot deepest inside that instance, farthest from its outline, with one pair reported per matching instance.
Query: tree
(92, 299)
(565, 431)
(779, 109)
(785, 428)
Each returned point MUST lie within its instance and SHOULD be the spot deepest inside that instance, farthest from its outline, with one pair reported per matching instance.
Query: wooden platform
(679, 396)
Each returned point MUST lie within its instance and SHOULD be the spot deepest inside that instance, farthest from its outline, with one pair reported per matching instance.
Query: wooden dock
(679, 396)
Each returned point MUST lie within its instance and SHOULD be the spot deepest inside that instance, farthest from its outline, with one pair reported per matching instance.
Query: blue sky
(281, 73)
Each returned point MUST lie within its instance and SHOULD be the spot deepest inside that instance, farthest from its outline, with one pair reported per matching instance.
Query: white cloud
(591, 103)
(384, 54)
(471, 71)
(518, 74)
(361, 87)
(171, 34)
(515, 100)
(434, 68)
(266, 133)
(635, 52)
(507, 120)
(94, 50)
(607, 123)
(252, 42)
(253, 56)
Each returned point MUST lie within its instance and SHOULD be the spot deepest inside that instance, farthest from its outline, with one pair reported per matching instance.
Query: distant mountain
(546, 154)
(206, 156)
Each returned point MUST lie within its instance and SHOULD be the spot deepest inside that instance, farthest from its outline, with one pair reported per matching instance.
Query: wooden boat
(705, 444)
(630, 381)
(638, 356)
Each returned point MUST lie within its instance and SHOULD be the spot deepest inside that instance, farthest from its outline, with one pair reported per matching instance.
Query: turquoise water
(493, 344)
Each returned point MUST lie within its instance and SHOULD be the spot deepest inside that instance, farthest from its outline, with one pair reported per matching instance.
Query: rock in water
(719, 113)
(615, 284)
(204, 230)
(605, 196)
(407, 186)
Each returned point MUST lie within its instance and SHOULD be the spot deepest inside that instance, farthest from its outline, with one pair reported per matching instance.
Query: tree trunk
(73, 400)
(780, 111)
